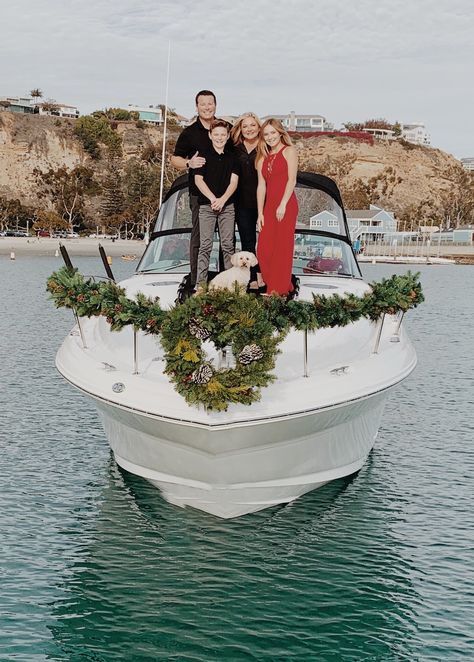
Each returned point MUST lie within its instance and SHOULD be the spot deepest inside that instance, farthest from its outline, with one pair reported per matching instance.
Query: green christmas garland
(251, 327)
(230, 320)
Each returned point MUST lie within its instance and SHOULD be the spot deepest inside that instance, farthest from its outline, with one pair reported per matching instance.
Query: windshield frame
(305, 180)
(304, 231)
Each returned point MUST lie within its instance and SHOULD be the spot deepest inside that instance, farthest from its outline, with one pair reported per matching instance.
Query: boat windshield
(321, 245)
(317, 211)
(314, 253)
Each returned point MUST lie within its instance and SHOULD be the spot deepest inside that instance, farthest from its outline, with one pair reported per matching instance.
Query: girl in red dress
(277, 166)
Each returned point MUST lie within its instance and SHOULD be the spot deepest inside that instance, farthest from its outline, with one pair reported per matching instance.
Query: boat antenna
(163, 152)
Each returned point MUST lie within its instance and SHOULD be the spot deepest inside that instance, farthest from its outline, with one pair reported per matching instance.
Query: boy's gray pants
(207, 223)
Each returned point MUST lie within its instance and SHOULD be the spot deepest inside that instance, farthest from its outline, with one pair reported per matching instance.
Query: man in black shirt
(191, 146)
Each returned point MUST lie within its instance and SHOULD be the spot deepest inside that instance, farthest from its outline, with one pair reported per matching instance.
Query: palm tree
(36, 93)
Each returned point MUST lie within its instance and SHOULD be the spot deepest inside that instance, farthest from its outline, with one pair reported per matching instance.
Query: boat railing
(225, 355)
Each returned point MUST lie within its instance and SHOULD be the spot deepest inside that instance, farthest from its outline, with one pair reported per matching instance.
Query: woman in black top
(244, 134)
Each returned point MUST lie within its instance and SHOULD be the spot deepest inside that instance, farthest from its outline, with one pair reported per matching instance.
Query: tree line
(120, 196)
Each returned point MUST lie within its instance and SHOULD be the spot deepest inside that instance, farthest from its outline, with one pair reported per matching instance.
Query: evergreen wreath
(252, 327)
(232, 320)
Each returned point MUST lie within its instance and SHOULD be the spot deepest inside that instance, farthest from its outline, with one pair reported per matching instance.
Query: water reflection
(299, 582)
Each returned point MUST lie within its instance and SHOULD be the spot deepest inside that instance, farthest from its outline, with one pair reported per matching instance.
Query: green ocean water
(95, 566)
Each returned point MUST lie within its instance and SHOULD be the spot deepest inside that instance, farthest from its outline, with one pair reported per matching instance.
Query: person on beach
(192, 144)
(216, 181)
(277, 166)
(244, 134)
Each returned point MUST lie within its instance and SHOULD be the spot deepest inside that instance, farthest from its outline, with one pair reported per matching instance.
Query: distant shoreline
(46, 246)
(87, 247)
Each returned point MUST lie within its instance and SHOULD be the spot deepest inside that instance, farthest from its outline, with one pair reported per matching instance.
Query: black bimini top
(303, 180)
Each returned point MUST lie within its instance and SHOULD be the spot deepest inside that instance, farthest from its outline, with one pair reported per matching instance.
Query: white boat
(317, 422)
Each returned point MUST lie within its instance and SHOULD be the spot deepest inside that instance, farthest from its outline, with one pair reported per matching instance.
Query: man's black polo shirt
(194, 138)
(217, 172)
(246, 194)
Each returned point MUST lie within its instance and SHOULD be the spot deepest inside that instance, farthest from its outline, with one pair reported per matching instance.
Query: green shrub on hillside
(119, 114)
(92, 131)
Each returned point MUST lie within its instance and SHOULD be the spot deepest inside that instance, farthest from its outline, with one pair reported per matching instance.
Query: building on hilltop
(57, 109)
(416, 133)
(151, 114)
(468, 163)
(28, 105)
(381, 134)
(17, 104)
(302, 123)
(155, 114)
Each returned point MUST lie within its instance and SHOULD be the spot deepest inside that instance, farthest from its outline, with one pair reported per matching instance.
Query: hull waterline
(242, 469)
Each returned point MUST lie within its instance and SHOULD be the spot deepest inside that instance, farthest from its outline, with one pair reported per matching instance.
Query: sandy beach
(23, 246)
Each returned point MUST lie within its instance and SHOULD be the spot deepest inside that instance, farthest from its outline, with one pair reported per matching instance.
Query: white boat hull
(237, 470)
(304, 432)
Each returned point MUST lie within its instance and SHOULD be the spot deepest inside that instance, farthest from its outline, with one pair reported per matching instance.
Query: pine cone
(202, 375)
(250, 353)
(197, 330)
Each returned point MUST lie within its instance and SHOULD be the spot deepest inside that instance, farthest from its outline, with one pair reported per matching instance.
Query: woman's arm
(291, 157)
(261, 191)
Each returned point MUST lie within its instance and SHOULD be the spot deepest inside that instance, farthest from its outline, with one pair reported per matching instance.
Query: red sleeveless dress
(277, 238)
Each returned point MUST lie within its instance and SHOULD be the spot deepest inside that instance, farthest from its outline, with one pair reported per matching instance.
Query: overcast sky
(410, 60)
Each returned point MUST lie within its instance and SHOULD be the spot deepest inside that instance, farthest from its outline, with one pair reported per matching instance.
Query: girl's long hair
(262, 147)
(236, 133)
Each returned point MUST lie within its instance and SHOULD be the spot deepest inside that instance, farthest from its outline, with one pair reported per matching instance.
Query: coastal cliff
(414, 182)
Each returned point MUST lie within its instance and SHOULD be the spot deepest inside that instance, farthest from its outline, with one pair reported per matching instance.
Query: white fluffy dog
(239, 273)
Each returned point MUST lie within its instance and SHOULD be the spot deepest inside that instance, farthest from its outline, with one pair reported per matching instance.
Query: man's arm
(185, 154)
(181, 162)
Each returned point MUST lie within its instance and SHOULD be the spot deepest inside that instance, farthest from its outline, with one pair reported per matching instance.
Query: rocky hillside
(415, 182)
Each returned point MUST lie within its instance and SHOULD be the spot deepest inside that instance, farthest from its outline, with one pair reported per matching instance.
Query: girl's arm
(261, 191)
(292, 160)
(204, 188)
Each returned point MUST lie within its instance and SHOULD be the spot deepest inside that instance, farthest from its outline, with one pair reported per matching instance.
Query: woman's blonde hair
(236, 133)
(262, 147)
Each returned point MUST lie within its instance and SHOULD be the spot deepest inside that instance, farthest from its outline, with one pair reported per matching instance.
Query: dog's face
(244, 260)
